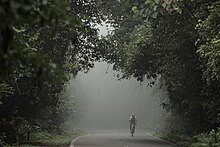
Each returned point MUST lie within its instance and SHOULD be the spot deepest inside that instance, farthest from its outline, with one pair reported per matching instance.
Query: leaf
(157, 1)
(134, 8)
(154, 15)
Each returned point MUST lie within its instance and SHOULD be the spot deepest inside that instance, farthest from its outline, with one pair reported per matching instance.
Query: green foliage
(39, 136)
(177, 42)
(45, 138)
(41, 44)
(208, 42)
(210, 139)
(5, 90)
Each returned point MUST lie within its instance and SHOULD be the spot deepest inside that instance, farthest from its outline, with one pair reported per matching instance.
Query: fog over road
(119, 138)
(104, 102)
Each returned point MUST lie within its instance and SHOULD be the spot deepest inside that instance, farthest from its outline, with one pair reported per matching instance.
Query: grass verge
(44, 139)
(211, 139)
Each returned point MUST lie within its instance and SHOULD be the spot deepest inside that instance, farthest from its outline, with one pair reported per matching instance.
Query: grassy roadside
(179, 140)
(48, 140)
(211, 139)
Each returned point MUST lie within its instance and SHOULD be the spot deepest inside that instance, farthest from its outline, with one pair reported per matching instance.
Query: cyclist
(133, 121)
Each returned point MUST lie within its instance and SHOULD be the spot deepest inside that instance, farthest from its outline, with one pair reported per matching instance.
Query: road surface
(116, 138)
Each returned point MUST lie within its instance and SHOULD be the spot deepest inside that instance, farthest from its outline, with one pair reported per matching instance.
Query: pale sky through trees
(107, 102)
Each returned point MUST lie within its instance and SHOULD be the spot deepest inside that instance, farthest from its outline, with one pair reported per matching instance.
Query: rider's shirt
(133, 119)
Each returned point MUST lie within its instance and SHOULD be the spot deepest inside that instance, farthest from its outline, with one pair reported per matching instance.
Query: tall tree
(164, 39)
(41, 43)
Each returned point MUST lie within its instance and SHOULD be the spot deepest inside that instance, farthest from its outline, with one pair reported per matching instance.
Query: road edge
(161, 139)
(74, 140)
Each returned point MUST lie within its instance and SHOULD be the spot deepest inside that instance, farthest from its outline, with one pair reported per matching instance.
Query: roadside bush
(40, 135)
(212, 139)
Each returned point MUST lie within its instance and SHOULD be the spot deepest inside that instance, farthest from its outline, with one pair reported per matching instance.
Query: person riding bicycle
(133, 120)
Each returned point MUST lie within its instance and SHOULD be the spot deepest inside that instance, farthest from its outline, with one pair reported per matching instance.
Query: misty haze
(108, 102)
(64, 68)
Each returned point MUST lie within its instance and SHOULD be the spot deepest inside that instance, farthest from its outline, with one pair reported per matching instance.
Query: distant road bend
(116, 138)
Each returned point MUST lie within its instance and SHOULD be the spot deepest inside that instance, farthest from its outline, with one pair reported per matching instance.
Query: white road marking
(74, 140)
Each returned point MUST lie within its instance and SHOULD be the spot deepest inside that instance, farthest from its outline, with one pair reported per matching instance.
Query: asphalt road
(116, 138)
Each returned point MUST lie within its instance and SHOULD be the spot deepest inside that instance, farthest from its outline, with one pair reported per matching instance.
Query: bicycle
(132, 131)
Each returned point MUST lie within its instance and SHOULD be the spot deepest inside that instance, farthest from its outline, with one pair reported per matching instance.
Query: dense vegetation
(44, 42)
(176, 42)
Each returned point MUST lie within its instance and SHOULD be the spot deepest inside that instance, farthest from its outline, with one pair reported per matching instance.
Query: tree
(41, 43)
(164, 43)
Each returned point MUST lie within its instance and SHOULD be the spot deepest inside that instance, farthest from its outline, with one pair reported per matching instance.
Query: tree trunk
(17, 134)
(28, 135)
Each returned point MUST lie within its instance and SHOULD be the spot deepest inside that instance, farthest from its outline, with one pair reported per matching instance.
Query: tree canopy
(42, 43)
(174, 41)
